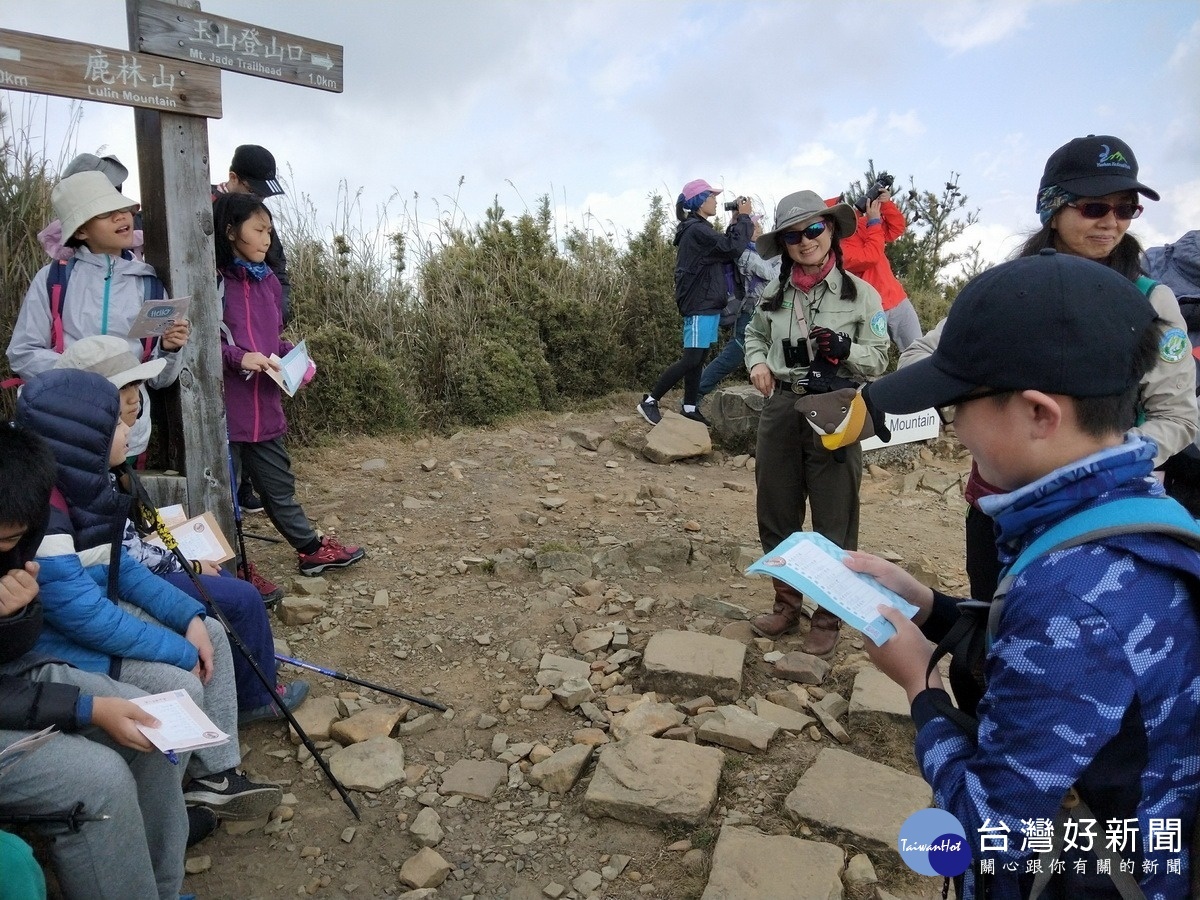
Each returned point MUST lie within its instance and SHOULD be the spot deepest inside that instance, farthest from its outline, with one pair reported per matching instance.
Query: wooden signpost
(174, 84)
(194, 36)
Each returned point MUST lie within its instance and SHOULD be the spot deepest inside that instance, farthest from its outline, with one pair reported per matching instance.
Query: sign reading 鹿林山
(46, 65)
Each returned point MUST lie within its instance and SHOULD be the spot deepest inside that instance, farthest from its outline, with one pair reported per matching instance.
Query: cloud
(908, 124)
(964, 26)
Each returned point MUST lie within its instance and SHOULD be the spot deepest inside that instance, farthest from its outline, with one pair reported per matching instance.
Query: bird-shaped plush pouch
(843, 416)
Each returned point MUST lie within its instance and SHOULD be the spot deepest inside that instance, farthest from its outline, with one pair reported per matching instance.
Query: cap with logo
(1053, 322)
(1093, 166)
(256, 167)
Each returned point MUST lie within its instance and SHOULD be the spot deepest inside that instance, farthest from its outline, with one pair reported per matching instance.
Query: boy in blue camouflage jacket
(1093, 678)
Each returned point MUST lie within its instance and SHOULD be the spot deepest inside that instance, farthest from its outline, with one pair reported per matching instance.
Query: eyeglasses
(946, 411)
(132, 210)
(1095, 209)
(812, 232)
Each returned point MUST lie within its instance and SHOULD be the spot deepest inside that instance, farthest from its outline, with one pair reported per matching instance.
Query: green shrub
(355, 390)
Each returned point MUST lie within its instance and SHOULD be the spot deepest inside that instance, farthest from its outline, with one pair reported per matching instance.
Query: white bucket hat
(801, 208)
(109, 356)
(82, 196)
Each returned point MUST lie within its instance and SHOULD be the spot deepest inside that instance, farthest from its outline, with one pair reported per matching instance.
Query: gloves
(833, 346)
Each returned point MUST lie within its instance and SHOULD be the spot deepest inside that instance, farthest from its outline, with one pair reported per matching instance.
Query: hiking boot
(822, 634)
(232, 795)
(270, 591)
(202, 822)
(292, 695)
(650, 411)
(249, 501)
(784, 617)
(696, 416)
(330, 555)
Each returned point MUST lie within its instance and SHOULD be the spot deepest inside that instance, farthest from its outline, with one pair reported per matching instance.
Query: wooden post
(174, 166)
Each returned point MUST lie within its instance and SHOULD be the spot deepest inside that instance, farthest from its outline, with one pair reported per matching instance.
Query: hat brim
(1102, 185)
(80, 216)
(770, 244)
(916, 387)
(263, 188)
(143, 372)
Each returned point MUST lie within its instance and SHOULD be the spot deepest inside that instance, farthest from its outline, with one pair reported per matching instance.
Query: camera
(883, 182)
(796, 353)
(732, 205)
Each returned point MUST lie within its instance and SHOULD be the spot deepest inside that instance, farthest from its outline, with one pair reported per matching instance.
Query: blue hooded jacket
(82, 556)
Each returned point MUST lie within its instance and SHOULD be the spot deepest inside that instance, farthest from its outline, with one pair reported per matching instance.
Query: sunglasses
(132, 210)
(812, 232)
(1098, 210)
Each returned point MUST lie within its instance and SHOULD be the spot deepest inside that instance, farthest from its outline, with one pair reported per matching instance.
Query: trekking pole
(168, 539)
(332, 673)
(237, 519)
(72, 819)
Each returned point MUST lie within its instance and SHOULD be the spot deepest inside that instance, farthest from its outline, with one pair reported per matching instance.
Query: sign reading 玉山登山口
(199, 37)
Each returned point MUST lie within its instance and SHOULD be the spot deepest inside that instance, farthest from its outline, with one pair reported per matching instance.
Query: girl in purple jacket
(253, 320)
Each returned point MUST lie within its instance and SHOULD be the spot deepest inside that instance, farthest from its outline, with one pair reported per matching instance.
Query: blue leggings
(243, 607)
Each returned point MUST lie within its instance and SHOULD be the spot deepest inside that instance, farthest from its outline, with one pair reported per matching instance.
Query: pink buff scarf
(806, 283)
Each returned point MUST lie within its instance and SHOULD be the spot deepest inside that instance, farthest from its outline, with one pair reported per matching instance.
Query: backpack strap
(1074, 808)
(57, 277)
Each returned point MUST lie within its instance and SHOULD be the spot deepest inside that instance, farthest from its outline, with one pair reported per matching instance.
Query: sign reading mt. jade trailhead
(45, 65)
(198, 37)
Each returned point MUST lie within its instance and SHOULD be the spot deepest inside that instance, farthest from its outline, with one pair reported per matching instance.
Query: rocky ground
(613, 728)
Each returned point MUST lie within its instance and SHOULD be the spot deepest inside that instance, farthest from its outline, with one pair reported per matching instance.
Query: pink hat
(697, 187)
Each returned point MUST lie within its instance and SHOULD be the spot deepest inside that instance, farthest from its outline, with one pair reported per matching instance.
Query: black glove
(833, 346)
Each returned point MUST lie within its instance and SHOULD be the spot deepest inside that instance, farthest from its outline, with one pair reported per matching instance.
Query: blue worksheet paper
(292, 369)
(812, 564)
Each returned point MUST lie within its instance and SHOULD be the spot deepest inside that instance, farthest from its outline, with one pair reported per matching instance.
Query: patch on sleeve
(1174, 345)
(879, 324)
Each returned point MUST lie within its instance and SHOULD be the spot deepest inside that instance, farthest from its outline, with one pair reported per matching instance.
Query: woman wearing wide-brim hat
(1088, 197)
(815, 312)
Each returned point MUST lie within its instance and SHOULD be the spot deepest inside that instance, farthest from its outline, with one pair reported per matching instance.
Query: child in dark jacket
(253, 322)
(130, 791)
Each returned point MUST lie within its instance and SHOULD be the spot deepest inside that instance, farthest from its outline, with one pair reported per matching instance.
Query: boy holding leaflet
(1091, 685)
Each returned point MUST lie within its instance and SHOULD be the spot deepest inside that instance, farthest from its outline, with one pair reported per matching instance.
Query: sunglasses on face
(1098, 210)
(132, 210)
(812, 232)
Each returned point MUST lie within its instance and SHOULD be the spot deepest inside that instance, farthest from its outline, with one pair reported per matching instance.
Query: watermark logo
(933, 842)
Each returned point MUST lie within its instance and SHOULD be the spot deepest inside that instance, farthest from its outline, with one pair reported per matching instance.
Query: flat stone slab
(748, 865)
(801, 667)
(876, 696)
(653, 782)
(474, 779)
(675, 438)
(646, 717)
(691, 664)
(559, 773)
(379, 721)
(372, 765)
(736, 728)
(849, 795)
(316, 717)
(554, 670)
(786, 718)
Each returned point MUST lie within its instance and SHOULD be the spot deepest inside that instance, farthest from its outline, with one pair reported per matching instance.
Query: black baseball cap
(1053, 322)
(1093, 166)
(256, 166)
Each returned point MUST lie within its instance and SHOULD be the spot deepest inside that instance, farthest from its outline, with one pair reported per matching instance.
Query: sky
(601, 104)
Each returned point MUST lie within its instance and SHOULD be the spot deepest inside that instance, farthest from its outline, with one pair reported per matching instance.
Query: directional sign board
(198, 37)
(45, 65)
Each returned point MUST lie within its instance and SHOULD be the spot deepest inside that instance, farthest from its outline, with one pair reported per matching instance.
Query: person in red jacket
(864, 256)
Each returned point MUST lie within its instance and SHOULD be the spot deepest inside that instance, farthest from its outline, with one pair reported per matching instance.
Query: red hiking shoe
(271, 592)
(330, 555)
